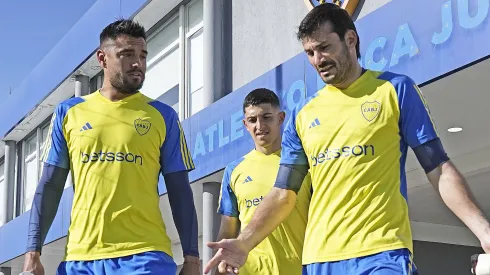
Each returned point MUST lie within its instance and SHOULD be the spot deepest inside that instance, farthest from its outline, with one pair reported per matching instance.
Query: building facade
(206, 55)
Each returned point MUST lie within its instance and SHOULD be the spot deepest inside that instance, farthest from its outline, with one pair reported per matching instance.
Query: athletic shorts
(393, 262)
(153, 262)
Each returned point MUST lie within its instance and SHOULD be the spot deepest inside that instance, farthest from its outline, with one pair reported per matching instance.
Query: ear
(351, 39)
(282, 116)
(101, 57)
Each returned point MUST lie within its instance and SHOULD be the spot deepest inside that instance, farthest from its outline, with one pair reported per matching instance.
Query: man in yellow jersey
(353, 135)
(247, 180)
(116, 142)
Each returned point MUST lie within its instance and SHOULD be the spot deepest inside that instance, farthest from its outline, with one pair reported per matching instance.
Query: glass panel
(96, 82)
(196, 65)
(2, 171)
(163, 39)
(30, 183)
(163, 78)
(195, 15)
(197, 101)
(44, 134)
(31, 145)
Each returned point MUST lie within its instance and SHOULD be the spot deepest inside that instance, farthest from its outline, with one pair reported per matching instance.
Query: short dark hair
(328, 12)
(122, 27)
(260, 96)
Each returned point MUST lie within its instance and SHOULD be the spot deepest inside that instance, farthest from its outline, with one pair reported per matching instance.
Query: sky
(29, 30)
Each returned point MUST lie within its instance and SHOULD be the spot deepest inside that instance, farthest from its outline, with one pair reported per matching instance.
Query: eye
(126, 54)
(324, 47)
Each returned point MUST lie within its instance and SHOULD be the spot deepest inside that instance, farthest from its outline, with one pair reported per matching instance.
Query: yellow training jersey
(116, 151)
(245, 183)
(355, 142)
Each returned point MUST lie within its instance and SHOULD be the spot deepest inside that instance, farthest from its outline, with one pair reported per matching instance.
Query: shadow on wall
(443, 259)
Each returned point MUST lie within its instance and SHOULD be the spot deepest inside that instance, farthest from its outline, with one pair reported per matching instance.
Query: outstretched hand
(230, 256)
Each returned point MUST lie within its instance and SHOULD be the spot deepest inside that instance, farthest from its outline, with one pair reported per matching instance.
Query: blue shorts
(153, 262)
(393, 262)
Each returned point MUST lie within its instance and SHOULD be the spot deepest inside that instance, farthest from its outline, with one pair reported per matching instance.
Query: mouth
(136, 74)
(261, 134)
(325, 70)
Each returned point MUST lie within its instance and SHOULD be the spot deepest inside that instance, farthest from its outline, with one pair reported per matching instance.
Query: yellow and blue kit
(245, 183)
(354, 142)
(115, 152)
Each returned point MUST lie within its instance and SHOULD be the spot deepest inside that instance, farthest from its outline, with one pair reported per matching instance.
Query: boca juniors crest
(142, 126)
(370, 110)
(348, 5)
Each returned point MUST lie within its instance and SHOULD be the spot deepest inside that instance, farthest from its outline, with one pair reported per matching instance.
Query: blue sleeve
(291, 177)
(45, 204)
(416, 124)
(431, 154)
(292, 151)
(228, 205)
(174, 155)
(183, 210)
(56, 150)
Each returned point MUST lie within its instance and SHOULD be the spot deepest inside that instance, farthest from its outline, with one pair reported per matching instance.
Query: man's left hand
(192, 266)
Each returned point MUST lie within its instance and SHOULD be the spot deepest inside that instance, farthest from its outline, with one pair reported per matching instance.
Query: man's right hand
(32, 263)
(232, 254)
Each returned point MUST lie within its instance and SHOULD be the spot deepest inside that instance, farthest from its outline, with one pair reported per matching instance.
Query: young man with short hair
(247, 180)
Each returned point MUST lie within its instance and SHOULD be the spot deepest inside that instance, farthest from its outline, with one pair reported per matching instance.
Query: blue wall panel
(425, 39)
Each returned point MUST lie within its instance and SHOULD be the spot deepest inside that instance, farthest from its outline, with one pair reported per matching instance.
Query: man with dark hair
(247, 180)
(116, 141)
(353, 137)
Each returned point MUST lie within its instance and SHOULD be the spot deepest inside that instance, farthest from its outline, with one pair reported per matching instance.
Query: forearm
(457, 196)
(225, 233)
(275, 207)
(45, 205)
(183, 211)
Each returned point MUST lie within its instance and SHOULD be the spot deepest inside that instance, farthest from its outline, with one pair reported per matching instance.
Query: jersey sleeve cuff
(431, 154)
(182, 169)
(227, 213)
(57, 164)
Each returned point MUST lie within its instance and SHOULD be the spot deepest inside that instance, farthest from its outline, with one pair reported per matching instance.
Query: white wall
(263, 34)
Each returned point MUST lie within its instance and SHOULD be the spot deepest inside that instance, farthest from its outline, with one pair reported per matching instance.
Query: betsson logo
(345, 151)
(111, 157)
(253, 202)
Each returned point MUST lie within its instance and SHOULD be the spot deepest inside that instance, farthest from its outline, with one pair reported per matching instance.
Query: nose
(136, 64)
(317, 58)
(260, 123)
